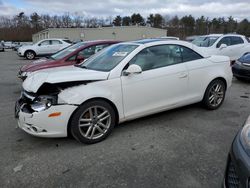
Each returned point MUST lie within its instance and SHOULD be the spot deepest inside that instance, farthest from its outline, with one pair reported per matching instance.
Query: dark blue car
(237, 174)
(241, 68)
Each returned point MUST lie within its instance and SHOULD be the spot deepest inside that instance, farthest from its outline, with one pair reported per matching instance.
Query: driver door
(44, 47)
(162, 83)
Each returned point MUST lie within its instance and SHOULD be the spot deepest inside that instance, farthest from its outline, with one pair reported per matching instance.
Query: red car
(71, 55)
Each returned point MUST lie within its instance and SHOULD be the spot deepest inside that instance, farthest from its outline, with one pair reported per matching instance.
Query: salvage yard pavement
(186, 147)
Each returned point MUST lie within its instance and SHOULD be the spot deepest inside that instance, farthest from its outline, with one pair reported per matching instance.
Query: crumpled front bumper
(41, 124)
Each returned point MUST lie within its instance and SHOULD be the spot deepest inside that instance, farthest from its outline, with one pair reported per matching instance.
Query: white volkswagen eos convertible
(123, 82)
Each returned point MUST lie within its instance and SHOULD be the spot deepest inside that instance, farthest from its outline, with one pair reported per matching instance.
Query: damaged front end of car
(44, 98)
(44, 113)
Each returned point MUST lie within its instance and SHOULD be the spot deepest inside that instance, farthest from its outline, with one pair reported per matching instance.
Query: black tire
(213, 103)
(83, 111)
(30, 55)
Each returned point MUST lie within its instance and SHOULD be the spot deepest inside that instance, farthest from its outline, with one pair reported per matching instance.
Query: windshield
(66, 51)
(205, 41)
(109, 57)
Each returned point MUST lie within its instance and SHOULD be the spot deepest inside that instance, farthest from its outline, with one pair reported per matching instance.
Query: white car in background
(44, 47)
(231, 45)
(120, 83)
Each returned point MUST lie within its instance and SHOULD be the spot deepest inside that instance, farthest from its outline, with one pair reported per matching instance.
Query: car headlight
(245, 135)
(43, 102)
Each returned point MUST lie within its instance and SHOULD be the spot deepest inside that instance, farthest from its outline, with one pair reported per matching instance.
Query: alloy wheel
(216, 94)
(94, 122)
(30, 55)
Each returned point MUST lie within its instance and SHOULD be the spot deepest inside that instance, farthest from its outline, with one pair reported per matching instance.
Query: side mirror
(39, 44)
(223, 46)
(133, 69)
(79, 58)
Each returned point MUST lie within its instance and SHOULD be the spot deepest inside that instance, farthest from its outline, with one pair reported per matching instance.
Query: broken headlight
(43, 102)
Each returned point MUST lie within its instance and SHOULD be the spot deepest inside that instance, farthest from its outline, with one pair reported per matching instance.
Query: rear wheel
(214, 95)
(30, 55)
(93, 122)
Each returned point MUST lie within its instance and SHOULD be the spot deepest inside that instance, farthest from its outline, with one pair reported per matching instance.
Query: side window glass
(224, 40)
(44, 43)
(158, 56)
(189, 55)
(100, 47)
(236, 40)
(72, 58)
(87, 52)
(56, 42)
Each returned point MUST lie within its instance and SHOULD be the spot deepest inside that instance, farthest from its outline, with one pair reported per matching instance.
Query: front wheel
(93, 122)
(214, 95)
(30, 55)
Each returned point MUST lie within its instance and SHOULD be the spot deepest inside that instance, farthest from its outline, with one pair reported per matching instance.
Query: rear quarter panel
(203, 71)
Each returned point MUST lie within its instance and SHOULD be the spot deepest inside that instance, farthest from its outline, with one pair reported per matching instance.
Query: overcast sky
(239, 9)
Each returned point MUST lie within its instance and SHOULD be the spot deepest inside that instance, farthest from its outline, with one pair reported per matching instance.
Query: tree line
(21, 27)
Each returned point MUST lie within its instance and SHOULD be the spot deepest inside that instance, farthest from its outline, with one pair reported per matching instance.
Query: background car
(71, 55)
(241, 68)
(43, 48)
(16, 45)
(237, 171)
(1, 46)
(124, 81)
(8, 44)
(231, 45)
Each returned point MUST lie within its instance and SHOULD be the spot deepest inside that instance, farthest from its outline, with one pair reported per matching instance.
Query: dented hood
(61, 74)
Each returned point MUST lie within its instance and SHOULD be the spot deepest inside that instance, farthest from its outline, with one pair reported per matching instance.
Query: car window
(100, 47)
(44, 43)
(205, 41)
(87, 52)
(72, 58)
(236, 40)
(66, 51)
(158, 56)
(189, 55)
(224, 40)
(109, 57)
(56, 42)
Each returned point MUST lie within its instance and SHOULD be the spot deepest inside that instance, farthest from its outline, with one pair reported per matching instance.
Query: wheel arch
(28, 51)
(217, 78)
(92, 99)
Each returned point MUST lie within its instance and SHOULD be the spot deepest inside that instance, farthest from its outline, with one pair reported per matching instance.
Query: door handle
(183, 75)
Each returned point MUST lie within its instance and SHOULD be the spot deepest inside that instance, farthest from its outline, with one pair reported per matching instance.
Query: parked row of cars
(11, 45)
(87, 88)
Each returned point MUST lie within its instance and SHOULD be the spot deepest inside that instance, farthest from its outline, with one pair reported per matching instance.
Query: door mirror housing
(223, 46)
(79, 59)
(133, 69)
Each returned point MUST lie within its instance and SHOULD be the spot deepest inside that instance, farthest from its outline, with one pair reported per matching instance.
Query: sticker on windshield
(120, 54)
